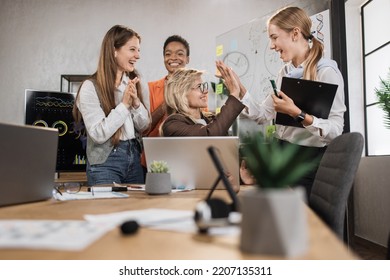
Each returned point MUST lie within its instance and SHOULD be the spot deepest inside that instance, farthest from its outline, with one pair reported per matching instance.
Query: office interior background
(42, 39)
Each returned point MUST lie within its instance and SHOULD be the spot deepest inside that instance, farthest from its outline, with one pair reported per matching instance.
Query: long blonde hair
(105, 75)
(291, 17)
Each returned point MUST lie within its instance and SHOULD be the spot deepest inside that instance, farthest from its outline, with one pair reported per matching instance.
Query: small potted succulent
(158, 179)
(273, 213)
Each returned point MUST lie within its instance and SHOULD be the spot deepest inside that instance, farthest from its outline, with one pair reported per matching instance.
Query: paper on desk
(70, 235)
(160, 219)
(142, 188)
(88, 195)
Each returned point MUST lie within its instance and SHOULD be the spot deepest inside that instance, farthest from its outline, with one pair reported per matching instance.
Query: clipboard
(313, 97)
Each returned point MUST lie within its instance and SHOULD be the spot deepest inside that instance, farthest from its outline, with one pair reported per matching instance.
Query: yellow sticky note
(219, 50)
(219, 89)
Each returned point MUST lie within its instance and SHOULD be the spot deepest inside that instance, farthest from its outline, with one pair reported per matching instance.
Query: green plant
(159, 167)
(274, 165)
(383, 95)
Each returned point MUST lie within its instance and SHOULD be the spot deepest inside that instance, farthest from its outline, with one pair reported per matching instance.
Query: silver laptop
(188, 159)
(27, 163)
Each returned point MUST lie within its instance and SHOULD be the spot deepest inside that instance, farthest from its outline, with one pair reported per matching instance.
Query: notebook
(188, 159)
(27, 163)
(313, 97)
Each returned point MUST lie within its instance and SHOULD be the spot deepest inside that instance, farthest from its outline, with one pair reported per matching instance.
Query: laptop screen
(188, 159)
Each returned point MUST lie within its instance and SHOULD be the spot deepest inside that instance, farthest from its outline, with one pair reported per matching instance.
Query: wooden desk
(153, 244)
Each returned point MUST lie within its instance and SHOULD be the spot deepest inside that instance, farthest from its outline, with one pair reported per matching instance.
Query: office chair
(334, 179)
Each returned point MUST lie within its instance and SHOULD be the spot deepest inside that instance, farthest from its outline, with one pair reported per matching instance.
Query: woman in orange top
(176, 53)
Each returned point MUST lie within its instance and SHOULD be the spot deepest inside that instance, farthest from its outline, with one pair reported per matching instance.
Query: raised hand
(230, 79)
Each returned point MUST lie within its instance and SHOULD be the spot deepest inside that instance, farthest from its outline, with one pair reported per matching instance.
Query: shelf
(71, 78)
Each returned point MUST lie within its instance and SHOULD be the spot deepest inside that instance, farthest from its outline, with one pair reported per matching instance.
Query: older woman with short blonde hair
(185, 97)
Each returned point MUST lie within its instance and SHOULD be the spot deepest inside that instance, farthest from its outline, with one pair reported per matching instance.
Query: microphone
(129, 227)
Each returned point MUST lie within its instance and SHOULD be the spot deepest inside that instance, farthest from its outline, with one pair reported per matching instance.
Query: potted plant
(383, 95)
(158, 179)
(273, 214)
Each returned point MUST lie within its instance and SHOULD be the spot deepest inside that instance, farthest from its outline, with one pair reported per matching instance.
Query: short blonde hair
(176, 89)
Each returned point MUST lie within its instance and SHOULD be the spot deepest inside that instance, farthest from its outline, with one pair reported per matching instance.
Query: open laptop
(27, 163)
(188, 159)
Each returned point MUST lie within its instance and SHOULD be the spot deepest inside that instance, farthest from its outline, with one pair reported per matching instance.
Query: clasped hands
(130, 96)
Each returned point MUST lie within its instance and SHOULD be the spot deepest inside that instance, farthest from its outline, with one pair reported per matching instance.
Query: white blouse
(101, 127)
(309, 135)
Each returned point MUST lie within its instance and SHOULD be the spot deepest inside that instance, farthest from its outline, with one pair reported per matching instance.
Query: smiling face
(282, 42)
(175, 56)
(127, 55)
(291, 45)
(196, 98)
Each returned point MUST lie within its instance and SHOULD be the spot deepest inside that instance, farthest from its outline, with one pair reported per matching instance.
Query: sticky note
(233, 45)
(219, 50)
(219, 89)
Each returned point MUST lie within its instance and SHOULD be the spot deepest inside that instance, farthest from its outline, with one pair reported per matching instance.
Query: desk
(153, 244)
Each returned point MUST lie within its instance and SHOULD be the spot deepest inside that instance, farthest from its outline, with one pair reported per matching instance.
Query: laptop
(27, 163)
(189, 162)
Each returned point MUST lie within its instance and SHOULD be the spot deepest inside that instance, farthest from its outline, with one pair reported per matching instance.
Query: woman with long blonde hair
(290, 35)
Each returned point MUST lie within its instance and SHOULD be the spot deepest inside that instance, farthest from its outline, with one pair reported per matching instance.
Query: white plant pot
(274, 222)
(158, 183)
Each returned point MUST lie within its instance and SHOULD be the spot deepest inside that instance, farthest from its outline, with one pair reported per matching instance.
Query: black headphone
(214, 212)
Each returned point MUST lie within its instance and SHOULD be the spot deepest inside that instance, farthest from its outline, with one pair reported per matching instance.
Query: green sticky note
(270, 130)
(219, 89)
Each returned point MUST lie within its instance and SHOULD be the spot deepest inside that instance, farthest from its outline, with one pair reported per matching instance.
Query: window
(376, 63)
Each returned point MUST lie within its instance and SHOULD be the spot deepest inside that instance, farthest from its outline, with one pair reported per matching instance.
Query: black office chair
(334, 179)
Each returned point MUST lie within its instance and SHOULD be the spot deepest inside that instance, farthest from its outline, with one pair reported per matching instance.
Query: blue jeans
(123, 165)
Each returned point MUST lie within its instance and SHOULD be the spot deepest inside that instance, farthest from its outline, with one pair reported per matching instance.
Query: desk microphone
(129, 227)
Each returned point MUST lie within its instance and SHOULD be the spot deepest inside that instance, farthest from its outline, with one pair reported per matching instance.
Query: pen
(108, 189)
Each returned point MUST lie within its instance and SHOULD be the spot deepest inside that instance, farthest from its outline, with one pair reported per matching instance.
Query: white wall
(355, 64)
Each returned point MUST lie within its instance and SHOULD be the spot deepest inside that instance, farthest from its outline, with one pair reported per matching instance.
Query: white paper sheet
(88, 195)
(72, 235)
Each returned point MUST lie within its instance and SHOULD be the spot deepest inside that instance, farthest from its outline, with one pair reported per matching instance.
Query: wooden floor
(367, 250)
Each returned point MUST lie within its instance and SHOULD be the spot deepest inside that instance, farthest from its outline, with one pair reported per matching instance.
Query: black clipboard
(313, 97)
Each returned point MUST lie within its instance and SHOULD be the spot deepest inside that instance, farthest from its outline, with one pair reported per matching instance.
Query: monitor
(54, 109)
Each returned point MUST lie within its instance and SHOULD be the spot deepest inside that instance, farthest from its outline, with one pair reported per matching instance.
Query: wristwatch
(300, 117)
